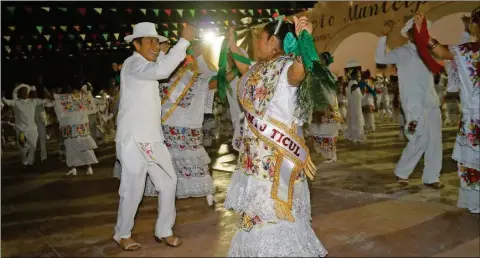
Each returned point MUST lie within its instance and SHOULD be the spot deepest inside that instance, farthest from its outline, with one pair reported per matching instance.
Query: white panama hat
(144, 29)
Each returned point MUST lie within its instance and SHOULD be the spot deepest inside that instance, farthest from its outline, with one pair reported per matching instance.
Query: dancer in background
(24, 110)
(420, 106)
(398, 114)
(140, 142)
(275, 220)
(368, 101)
(462, 65)
(355, 121)
(41, 121)
(383, 98)
(325, 124)
(72, 111)
(342, 102)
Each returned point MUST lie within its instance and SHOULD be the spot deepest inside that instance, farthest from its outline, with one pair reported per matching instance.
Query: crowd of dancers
(163, 113)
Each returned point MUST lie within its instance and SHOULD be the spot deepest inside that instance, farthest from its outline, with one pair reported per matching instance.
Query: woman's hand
(418, 20)
(302, 24)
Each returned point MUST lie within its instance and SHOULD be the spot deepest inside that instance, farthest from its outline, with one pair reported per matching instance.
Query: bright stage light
(210, 37)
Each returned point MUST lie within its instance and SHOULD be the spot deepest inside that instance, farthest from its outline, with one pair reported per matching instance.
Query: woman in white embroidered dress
(368, 101)
(464, 75)
(72, 110)
(268, 90)
(342, 101)
(355, 122)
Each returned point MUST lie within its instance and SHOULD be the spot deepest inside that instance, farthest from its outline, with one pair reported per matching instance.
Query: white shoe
(210, 199)
(72, 171)
(89, 171)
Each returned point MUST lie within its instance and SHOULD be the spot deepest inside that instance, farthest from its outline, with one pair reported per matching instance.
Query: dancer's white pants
(135, 165)
(42, 139)
(429, 142)
(28, 151)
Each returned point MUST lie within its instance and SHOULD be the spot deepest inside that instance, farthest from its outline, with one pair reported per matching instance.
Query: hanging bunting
(28, 9)
(226, 23)
(29, 47)
(82, 11)
(277, 11)
(269, 12)
(60, 36)
(79, 45)
(234, 23)
(192, 12)
(129, 10)
(165, 25)
(224, 10)
(53, 28)
(234, 10)
(39, 47)
(260, 11)
(144, 11)
(98, 10)
(8, 49)
(243, 11)
(204, 12)
(180, 12)
(64, 28)
(50, 46)
(46, 9)
(94, 36)
(63, 9)
(113, 9)
(71, 36)
(47, 37)
(12, 28)
(89, 44)
(174, 32)
(165, 33)
(168, 11)
(116, 35)
(89, 27)
(109, 43)
(82, 36)
(11, 9)
(7, 38)
(155, 11)
(77, 27)
(105, 36)
(175, 25)
(40, 29)
(250, 11)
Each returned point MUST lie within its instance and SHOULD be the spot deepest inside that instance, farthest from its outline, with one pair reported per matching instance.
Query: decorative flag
(47, 37)
(7, 38)
(192, 12)
(250, 11)
(63, 9)
(64, 28)
(234, 23)
(94, 36)
(109, 43)
(105, 36)
(79, 45)
(11, 9)
(77, 27)
(175, 25)
(28, 9)
(40, 29)
(155, 11)
(89, 27)
(277, 11)
(46, 9)
(269, 12)
(82, 36)
(165, 25)
(52, 28)
(71, 36)
(234, 10)
(39, 47)
(113, 9)
(260, 11)
(226, 23)
(29, 47)
(8, 49)
(60, 36)
(129, 10)
(180, 12)
(275, 15)
(82, 11)
(174, 32)
(98, 10)
(116, 35)
(243, 11)
(223, 10)
(204, 12)
(144, 11)
(168, 11)
(89, 44)
(12, 28)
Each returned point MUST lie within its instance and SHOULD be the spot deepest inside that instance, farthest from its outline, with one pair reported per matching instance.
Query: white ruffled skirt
(79, 151)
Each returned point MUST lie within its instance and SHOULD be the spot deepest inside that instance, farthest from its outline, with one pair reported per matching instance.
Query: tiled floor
(357, 208)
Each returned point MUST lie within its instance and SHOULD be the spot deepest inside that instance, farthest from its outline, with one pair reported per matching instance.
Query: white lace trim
(193, 187)
(469, 199)
(79, 151)
(198, 157)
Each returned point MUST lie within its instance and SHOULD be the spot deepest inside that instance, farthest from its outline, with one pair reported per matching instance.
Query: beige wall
(350, 29)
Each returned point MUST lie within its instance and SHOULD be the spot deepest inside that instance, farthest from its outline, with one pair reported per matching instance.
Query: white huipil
(355, 122)
(421, 107)
(140, 141)
(383, 98)
(342, 108)
(462, 75)
(368, 106)
(183, 132)
(25, 126)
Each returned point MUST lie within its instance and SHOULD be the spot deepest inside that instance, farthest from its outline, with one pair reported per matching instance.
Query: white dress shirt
(140, 108)
(417, 91)
(24, 110)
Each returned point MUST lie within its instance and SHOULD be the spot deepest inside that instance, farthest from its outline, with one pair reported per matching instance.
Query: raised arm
(242, 68)
(296, 72)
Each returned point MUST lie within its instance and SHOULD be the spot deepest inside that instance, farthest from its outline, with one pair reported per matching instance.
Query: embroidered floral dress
(182, 120)
(324, 129)
(265, 92)
(464, 75)
(72, 112)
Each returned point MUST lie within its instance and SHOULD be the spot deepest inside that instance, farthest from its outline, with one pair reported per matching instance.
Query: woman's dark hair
(285, 28)
(366, 74)
(475, 16)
